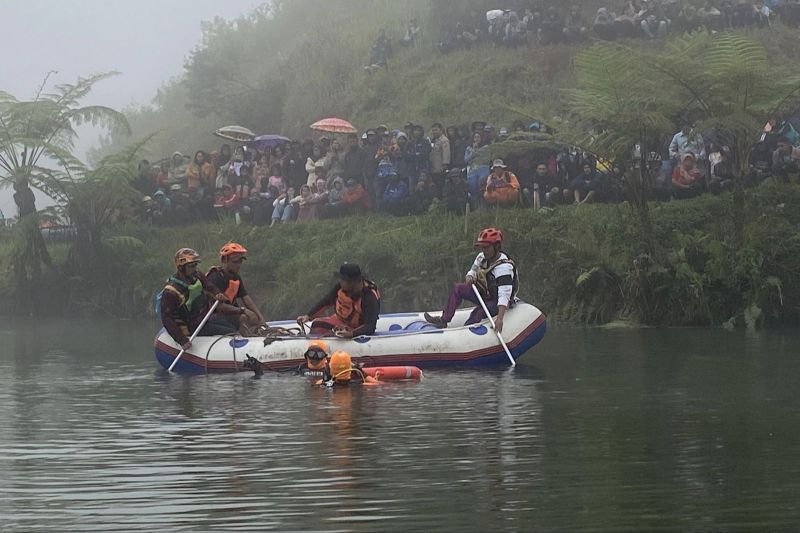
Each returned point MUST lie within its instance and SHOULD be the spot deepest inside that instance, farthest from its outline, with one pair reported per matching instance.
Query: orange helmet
(185, 256)
(490, 236)
(341, 364)
(316, 354)
(230, 249)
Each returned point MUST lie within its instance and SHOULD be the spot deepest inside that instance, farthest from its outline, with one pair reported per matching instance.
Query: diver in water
(341, 371)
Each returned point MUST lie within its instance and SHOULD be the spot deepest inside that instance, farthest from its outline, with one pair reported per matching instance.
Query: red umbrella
(334, 125)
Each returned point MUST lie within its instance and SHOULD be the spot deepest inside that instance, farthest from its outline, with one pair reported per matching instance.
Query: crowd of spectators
(405, 172)
(540, 22)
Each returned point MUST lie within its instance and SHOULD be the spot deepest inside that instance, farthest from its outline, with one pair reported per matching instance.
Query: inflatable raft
(402, 339)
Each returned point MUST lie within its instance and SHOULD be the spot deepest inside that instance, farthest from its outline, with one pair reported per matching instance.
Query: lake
(595, 430)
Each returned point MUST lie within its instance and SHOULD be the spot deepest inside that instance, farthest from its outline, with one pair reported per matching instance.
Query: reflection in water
(617, 430)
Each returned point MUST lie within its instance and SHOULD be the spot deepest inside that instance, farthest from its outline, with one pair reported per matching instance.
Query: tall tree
(36, 151)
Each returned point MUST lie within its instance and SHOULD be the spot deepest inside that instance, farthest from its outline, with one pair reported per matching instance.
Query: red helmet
(490, 236)
(230, 249)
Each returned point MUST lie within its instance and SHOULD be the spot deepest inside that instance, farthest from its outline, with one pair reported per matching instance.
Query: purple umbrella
(262, 142)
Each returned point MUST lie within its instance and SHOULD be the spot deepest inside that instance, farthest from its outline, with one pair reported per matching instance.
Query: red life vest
(349, 309)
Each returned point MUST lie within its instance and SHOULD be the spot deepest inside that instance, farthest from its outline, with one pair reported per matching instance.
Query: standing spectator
(145, 178)
(502, 187)
(313, 163)
(294, 171)
(458, 146)
(334, 161)
(177, 170)
(412, 30)
(439, 156)
(419, 152)
(354, 155)
(199, 174)
(515, 31)
(471, 150)
(687, 141)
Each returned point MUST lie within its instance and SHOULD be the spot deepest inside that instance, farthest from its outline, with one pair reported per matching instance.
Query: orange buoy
(394, 373)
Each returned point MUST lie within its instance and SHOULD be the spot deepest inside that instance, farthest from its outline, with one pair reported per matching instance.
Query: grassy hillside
(579, 264)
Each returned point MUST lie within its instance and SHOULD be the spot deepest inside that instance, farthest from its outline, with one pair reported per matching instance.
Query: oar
(203, 323)
(491, 321)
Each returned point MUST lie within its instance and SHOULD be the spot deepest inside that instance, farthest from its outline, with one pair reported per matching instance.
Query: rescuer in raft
(227, 279)
(185, 302)
(495, 276)
(356, 302)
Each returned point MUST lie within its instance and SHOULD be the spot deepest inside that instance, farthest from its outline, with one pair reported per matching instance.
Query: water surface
(595, 430)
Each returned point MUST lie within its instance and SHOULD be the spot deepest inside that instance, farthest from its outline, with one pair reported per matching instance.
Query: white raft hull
(402, 339)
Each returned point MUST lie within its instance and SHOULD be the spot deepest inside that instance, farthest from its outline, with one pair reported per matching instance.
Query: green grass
(582, 264)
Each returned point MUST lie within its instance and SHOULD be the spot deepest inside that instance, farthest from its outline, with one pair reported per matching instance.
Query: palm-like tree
(36, 150)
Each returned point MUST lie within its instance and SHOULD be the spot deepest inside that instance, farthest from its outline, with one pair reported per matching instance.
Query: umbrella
(262, 142)
(334, 125)
(235, 133)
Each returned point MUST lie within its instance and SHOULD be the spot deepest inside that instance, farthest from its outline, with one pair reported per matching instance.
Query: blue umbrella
(262, 142)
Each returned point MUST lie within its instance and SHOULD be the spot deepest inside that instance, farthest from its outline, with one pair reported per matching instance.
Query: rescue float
(401, 339)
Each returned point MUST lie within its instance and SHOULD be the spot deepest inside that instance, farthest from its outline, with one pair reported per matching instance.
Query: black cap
(350, 272)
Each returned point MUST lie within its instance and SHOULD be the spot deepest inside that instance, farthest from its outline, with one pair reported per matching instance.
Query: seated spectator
(283, 208)
(355, 198)
(544, 182)
(502, 186)
(686, 178)
(603, 25)
(394, 199)
(760, 163)
(380, 53)
(309, 204)
(333, 206)
(721, 177)
(786, 160)
(456, 192)
(226, 202)
(575, 27)
(587, 185)
(423, 194)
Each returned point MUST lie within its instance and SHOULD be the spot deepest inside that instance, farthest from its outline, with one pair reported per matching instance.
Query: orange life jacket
(232, 289)
(349, 309)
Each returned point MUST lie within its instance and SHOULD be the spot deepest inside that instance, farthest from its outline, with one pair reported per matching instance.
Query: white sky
(146, 40)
